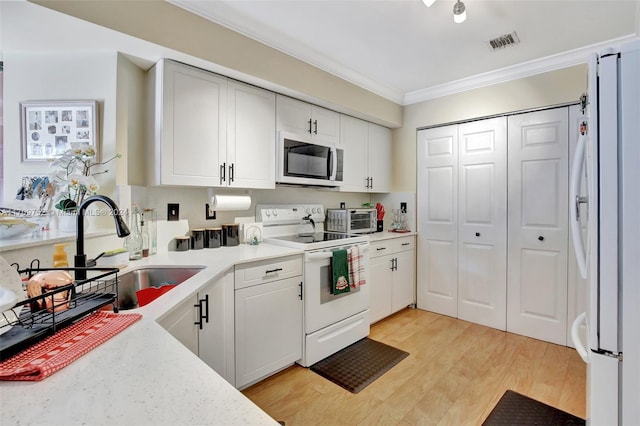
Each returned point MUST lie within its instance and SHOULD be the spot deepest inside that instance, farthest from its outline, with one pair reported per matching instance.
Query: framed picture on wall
(50, 127)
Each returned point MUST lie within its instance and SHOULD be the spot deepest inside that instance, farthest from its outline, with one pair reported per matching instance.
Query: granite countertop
(143, 375)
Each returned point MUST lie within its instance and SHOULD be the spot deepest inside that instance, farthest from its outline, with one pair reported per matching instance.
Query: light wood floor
(455, 374)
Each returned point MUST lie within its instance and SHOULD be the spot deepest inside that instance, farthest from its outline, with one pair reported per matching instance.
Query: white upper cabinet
(188, 137)
(379, 158)
(208, 130)
(354, 139)
(367, 156)
(305, 119)
(251, 137)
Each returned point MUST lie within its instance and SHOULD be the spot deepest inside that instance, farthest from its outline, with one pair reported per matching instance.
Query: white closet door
(482, 222)
(437, 284)
(537, 259)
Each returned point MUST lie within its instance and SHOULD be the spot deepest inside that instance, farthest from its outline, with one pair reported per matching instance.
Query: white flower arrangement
(75, 180)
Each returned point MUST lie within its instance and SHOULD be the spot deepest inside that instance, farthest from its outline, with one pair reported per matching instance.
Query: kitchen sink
(138, 279)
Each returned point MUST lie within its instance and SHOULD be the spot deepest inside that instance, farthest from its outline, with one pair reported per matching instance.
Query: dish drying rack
(33, 319)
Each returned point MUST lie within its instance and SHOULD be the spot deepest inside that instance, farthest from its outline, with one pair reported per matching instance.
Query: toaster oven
(351, 221)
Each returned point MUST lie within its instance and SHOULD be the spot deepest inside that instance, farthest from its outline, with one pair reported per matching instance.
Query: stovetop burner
(315, 238)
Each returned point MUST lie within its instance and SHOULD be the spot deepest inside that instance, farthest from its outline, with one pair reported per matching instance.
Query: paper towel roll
(230, 202)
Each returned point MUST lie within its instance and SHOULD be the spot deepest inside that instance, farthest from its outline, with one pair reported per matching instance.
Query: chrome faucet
(80, 259)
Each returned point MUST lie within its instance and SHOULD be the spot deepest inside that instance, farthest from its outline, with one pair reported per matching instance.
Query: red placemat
(56, 352)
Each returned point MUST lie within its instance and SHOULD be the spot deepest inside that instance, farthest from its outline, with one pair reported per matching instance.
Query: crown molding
(525, 69)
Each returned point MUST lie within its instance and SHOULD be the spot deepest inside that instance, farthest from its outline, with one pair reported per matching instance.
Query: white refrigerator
(608, 157)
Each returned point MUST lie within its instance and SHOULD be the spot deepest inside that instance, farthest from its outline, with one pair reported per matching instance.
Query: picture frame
(48, 128)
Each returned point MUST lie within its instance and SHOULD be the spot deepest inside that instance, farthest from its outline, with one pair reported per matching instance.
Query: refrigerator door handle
(574, 202)
(575, 337)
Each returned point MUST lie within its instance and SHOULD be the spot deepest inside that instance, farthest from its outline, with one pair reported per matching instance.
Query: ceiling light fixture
(428, 3)
(459, 12)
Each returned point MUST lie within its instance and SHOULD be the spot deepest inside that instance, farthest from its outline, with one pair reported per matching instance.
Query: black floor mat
(358, 365)
(516, 409)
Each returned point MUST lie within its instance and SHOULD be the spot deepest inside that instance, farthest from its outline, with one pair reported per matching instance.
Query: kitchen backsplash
(192, 201)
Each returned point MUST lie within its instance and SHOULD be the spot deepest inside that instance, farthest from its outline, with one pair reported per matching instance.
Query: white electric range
(331, 322)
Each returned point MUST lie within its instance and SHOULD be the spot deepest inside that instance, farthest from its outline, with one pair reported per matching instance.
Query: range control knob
(275, 212)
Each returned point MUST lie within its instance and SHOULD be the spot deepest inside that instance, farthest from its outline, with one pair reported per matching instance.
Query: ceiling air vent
(503, 41)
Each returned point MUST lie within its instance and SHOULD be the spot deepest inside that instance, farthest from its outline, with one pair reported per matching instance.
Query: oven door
(306, 162)
(321, 308)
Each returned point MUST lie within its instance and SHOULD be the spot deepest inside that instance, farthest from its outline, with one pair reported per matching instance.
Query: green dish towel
(340, 269)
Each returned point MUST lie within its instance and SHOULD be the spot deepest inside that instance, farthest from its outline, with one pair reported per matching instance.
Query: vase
(68, 221)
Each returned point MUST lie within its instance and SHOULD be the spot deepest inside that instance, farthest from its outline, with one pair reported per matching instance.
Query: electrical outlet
(209, 214)
(403, 207)
(173, 212)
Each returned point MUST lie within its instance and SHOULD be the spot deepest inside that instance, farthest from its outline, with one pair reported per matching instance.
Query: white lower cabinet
(215, 328)
(246, 325)
(204, 324)
(392, 277)
(268, 318)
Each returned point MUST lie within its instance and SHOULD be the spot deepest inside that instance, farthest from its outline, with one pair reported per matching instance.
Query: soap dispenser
(60, 259)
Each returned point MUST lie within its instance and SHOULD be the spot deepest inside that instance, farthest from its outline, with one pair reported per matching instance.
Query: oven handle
(308, 257)
(318, 256)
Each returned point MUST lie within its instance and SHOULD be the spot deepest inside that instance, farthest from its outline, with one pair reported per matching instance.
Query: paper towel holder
(209, 212)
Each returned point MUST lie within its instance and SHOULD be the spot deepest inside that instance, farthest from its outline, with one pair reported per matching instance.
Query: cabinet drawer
(402, 244)
(380, 248)
(267, 270)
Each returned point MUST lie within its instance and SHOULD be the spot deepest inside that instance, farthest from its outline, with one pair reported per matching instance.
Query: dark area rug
(516, 409)
(358, 365)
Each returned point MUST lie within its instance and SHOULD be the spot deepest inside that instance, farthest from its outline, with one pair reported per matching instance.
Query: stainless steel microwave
(351, 221)
(304, 161)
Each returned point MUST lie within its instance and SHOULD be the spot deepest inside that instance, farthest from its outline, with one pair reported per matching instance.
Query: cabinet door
(293, 115)
(538, 221)
(251, 137)
(381, 281)
(268, 329)
(404, 280)
(180, 323)
(325, 124)
(379, 158)
(216, 335)
(193, 135)
(437, 283)
(482, 222)
(354, 139)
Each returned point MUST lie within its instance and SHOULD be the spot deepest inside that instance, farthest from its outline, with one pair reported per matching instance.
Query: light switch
(173, 212)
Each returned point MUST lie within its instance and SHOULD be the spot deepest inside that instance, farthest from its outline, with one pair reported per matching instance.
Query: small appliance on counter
(352, 220)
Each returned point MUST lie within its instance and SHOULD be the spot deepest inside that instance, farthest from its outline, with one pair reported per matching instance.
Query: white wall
(55, 76)
(551, 88)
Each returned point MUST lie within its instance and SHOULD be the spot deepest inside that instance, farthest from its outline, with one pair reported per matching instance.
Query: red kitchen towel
(56, 352)
(356, 267)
